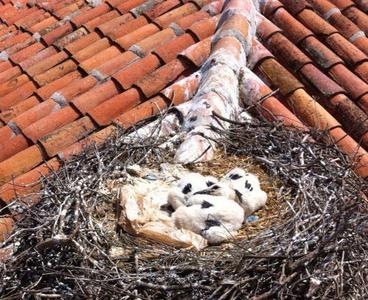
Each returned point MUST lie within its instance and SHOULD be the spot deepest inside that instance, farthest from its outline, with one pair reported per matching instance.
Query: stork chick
(247, 188)
(216, 220)
(187, 186)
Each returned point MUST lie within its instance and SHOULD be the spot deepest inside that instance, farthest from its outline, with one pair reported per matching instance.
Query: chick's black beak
(204, 192)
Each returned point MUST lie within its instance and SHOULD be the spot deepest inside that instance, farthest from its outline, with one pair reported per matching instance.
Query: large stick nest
(318, 248)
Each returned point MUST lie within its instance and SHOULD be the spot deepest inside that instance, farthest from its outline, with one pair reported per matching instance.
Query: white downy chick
(187, 186)
(247, 188)
(217, 220)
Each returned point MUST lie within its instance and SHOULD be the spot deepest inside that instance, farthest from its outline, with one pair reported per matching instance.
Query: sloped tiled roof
(71, 70)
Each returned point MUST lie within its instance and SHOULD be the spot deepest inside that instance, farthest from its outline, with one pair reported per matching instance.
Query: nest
(311, 241)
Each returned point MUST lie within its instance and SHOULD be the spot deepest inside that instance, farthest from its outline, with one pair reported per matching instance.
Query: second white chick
(247, 188)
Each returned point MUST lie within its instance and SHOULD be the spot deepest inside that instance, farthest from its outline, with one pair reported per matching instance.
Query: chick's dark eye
(235, 176)
(215, 187)
(187, 188)
(209, 183)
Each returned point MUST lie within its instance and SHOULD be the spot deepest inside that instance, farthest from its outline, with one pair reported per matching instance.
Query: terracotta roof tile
(26, 52)
(111, 25)
(141, 112)
(170, 50)
(19, 108)
(161, 8)
(6, 227)
(17, 95)
(97, 139)
(92, 24)
(56, 72)
(20, 163)
(204, 28)
(137, 35)
(46, 63)
(182, 90)
(13, 145)
(95, 96)
(99, 58)
(47, 90)
(147, 45)
(75, 88)
(38, 58)
(296, 31)
(70, 38)
(358, 17)
(198, 52)
(57, 33)
(354, 85)
(9, 86)
(69, 10)
(67, 135)
(28, 182)
(10, 74)
(362, 70)
(157, 80)
(319, 81)
(18, 38)
(6, 133)
(113, 65)
(91, 50)
(175, 14)
(82, 43)
(35, 113)
(43, 24)
(126, 6)
(106, 111)
(51, 122)
(347, 51)
(131, 74)
(280, 77)
(128, 27)
(5, 65)
(93, 13)
(31, 19)
(185, 22)
(363, 5)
